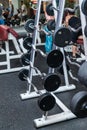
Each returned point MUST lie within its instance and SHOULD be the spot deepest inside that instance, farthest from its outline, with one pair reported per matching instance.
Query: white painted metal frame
(33, 94)
(63, 116)
(66, 114)
(10, 55)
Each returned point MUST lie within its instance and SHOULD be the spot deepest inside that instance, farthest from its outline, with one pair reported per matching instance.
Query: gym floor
(16, 114)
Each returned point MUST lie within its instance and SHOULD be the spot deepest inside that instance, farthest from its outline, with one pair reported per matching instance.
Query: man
(23, 10)
(11, 9)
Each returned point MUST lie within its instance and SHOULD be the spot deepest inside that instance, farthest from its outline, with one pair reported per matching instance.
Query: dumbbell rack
(34, 94)
(66, 114)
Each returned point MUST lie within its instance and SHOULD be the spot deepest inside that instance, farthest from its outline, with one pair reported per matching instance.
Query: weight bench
(7, 34)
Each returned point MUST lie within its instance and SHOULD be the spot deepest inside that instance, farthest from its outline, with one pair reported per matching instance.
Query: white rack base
(33, 94)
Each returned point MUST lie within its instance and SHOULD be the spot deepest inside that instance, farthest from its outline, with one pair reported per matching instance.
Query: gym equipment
(62, 37)
(82, 70)
(46, 102)
(85, 30)
(23, 74)
(55, 58)
(66, 114)
(84, 7)
(27, 43)
(29, 25)
(79, 104)
(75, 22)
(60, 69)
(82, 74)
(49, 10)
(25, 59)
(51, 25)
(52, 82)
(8, 34)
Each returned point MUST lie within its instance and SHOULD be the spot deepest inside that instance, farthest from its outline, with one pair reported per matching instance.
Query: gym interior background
(16, 114)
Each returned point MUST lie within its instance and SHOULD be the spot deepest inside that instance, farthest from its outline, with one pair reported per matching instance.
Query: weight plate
(84, 7)
(85, 30)
(75, 22)
(79, 103)
(52, 82)
(55, 58)
(27, 43)
(46, 102)
(49, 10)
(62, 37)
(82, 73)
(29, 25)
(23, 74)
(25, 59)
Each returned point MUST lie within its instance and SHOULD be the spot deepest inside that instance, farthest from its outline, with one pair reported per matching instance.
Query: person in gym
(1, 16)
(49, 38)
(23, 11)
(68, 15)
(11, 9)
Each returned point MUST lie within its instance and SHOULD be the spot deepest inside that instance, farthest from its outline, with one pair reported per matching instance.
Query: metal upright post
(26, 95)
(59, 17)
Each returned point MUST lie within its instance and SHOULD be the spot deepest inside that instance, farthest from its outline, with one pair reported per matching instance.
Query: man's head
(22, 2)
(10, 2)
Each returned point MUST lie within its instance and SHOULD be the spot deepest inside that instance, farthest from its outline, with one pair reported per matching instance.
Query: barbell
(84, 7)
(52, 82)
(29, 25)
(78, 104)
(54, 59)
(82, 74)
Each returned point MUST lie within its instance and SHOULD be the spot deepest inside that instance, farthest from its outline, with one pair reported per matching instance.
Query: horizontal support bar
(40, 122)
(33, 94)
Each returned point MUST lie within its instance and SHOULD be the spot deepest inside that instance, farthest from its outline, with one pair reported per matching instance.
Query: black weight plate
(79, 103)
(27, 43)
(49, 10)
(84, 7)
(82, 73)
(23, 74)
(46, 102)
(29, 25)
(75, 22)
(85, 30)
(52, 82)
(55, 59)
(25, 59)
(60, 69)
(62, 37)
(51, 25)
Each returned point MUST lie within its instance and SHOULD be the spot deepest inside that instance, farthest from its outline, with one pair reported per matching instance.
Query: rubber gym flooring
(16, 114)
